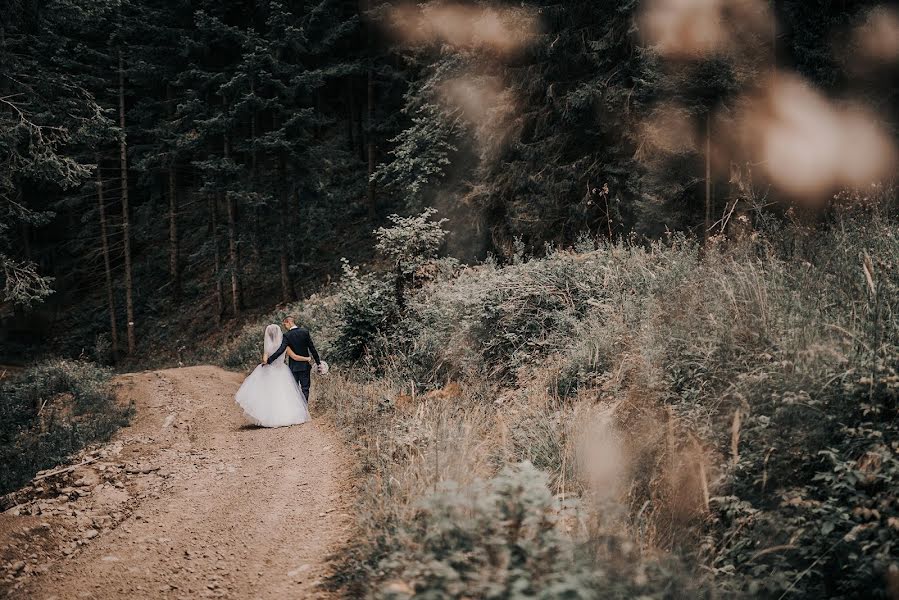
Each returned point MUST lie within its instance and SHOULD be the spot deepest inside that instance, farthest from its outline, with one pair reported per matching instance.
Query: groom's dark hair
(288, 318)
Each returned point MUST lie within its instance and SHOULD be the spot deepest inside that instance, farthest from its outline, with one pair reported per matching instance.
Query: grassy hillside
(50, 411)
(661, 420)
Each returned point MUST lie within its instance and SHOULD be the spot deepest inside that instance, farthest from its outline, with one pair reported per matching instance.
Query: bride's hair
(273, 338)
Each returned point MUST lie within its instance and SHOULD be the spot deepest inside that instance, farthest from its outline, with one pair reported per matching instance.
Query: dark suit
(300, 342)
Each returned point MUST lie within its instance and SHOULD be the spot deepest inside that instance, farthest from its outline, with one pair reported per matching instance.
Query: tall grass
(717, 420)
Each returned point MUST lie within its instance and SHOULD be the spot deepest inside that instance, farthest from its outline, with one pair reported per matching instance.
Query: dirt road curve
(207, 506)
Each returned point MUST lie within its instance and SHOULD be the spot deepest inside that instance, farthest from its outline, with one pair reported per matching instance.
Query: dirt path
(206, 505)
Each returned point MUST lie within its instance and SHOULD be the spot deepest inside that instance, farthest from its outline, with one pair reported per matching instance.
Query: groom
(300, 342)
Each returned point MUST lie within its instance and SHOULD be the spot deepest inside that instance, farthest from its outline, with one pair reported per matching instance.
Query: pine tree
(44, 114)
(157, 37)
(521, 171)
(211, 111)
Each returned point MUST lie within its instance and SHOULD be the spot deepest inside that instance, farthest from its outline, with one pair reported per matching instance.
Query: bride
(270, 396)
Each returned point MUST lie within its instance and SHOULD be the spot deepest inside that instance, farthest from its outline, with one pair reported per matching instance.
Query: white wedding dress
(270, 396)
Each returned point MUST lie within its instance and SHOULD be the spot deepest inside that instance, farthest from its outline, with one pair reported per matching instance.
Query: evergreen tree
(44, 114)
(243, 148)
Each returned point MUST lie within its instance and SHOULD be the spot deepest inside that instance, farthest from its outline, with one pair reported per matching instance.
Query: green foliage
(506, 321)
(488, 540)
(802, 538)
(22, 284)
(285, 86)
(811, 365)
(434, 525)
(246, 348)
(370, 304)
(501, 539)
(366, 307)
(412, 241)
(51, 411)
(260, 107)
(523, 171)
(45, 112)
(421, 155)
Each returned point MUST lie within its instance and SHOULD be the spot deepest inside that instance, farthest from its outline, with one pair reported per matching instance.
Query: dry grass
(675, 399)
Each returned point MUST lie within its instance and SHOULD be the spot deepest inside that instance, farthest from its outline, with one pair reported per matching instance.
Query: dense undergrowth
(50, 411)
(661, 420)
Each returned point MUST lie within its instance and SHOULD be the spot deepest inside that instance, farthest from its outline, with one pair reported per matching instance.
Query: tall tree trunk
(351, 110)
(287, 292)
(216, 260)
(254, 177)
(360, 131)
(126, 227)
(107, 269)
(174, 266)
(372, 209)
(233, 255)
(708, 176)
(286, 286)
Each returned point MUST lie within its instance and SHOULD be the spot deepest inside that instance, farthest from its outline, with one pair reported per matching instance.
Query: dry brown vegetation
(694, 421)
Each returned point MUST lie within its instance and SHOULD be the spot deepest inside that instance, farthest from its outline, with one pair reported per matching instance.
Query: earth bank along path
(189, 501)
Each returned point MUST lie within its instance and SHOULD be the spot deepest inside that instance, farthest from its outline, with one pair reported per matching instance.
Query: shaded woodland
(168, 165)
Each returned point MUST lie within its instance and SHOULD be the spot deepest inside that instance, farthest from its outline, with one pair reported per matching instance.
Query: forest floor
(188, 501)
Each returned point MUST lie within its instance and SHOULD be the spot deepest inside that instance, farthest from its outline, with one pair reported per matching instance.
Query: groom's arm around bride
(300, 341)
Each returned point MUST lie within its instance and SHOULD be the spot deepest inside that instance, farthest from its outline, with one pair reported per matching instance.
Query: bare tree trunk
(254, 178)
(287, 291)
(174, 267)
(233, 256)
(104, 245)
(708, 176)
(351, 110)
(360, 132)
(126, 227)
(372, 209)
(286, 286)
(216, 260)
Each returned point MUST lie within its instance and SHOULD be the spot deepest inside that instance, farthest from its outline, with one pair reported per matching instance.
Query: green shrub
(412, 242)
(370, 304)
(788, 366)
(501, 539)
(367, 307)
(246, 349)
(816, 477)
(51, 411)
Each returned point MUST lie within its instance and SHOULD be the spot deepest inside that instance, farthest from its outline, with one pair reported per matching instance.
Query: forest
(610, 290)
(226, 156)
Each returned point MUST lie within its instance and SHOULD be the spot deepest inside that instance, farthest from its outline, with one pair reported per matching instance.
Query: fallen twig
(65, 469)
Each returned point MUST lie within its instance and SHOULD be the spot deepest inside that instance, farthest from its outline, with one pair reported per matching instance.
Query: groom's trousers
(303, 380)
